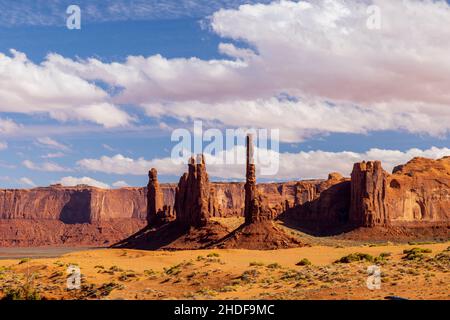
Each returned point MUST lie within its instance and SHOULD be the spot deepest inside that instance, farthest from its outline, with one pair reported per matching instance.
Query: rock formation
(368, 192)
(259, 230)
(416, 194)
(256, 205)
(157, 211)
(193, 195)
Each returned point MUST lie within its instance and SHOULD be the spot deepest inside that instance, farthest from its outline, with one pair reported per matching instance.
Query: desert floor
(235, 274)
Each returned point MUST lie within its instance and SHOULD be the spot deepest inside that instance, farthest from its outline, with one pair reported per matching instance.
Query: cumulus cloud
(292, 166)
(29, 88)
(73, 181)
(46, 166)
(338, 74)
(27, 182)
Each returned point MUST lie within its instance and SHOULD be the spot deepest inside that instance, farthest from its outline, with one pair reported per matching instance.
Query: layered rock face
(193, 199)
(157, 211)
(72, 205)
(323, 205)
(416, 194)
(368, 194)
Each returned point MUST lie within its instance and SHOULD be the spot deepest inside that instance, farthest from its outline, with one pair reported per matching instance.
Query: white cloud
(339, 75)
(346, 77)
(8, 126)
(108, 147)
(46, 166)
(122, 165)
(28, 88)
(73, 181)
(53, 155)
(51, 143)
(3, 146)
(120, 184)
(292, 166)
(27, 182)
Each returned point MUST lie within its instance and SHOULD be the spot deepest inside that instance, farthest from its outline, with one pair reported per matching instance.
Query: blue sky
(337, 122)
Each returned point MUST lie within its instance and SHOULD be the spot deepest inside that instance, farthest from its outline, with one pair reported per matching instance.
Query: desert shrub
(303, 262)
(443, 257)
(207, 292)
(249, 275)
(383, 257)
(228, 289)
(125, 276)
(356, 257)
(200, 258)
(274, 266)
(24, 260)
(415, 253)
(24, 292)
(115, 269)
(256, 264)
(56, 274)
(420, 243)
(107, 288)
(150, 272)
(293, 275)
(213, 255)
(173, 270)
(59, 263)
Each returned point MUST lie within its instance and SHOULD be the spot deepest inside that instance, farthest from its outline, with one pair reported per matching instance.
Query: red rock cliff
(416, 194)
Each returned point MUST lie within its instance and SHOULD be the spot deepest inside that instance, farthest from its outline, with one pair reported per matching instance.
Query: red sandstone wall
(416, 194)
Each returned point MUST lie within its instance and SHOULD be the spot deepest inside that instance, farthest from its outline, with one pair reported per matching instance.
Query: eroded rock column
(256, 205)
(368, 192)
(157, 212)
(193, 194)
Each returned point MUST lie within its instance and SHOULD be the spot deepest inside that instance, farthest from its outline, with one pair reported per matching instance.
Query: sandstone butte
(413, 199)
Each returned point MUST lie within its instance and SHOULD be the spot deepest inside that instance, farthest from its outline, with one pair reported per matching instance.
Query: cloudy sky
(99, 105)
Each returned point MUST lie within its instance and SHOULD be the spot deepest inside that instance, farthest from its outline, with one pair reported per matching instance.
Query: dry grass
(238, 274)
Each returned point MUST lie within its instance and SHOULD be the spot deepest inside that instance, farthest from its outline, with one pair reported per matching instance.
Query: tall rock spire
(250, 182)
(256, 205)
(157, 212)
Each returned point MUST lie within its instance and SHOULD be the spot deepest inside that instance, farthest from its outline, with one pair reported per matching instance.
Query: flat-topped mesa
(368, 194)
(193, 195)
(256, 205)
(157, 212)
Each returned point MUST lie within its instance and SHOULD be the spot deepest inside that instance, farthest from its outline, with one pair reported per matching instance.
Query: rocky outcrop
(157, 211)
(368, 194)
(193, 198)
(320, 206)
(416, 194)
